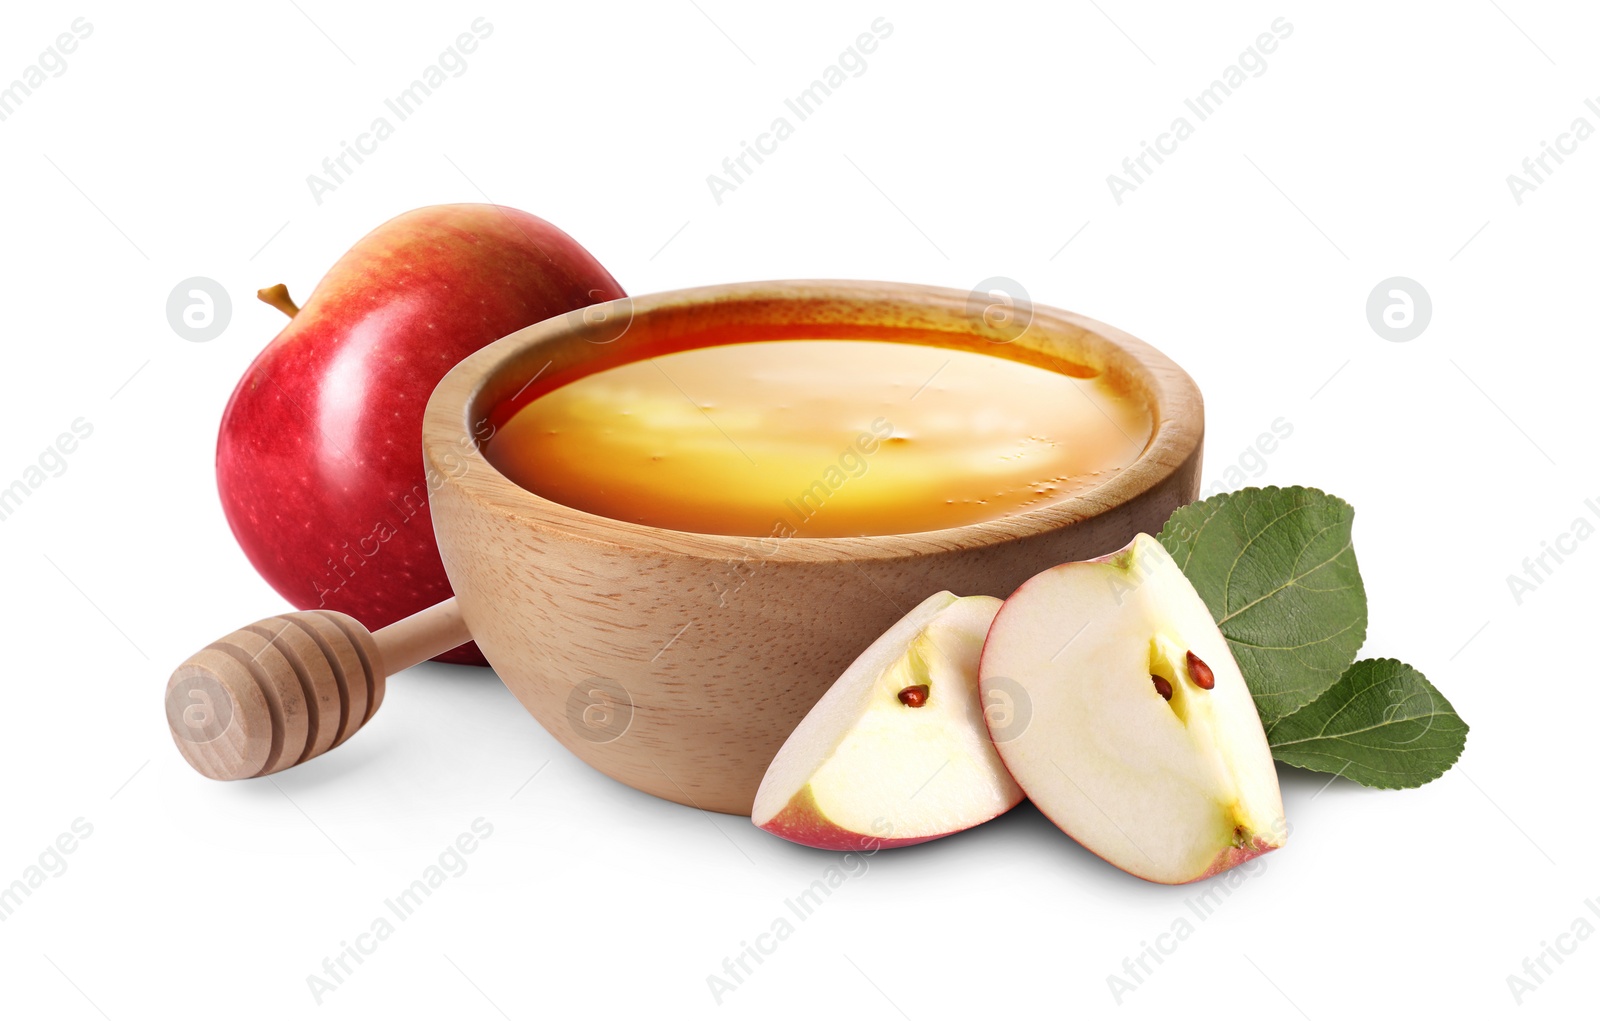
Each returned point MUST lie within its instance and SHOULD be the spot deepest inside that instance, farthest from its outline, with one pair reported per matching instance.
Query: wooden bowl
(678, 662)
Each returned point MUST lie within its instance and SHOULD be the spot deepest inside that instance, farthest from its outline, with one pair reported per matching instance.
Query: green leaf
(1276, 569)
(1381, 724)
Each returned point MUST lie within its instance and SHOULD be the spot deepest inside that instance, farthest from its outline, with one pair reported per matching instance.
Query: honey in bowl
(819, 438)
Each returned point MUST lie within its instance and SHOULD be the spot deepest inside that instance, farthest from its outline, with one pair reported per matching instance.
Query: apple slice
(896, 752)
(1126, 720)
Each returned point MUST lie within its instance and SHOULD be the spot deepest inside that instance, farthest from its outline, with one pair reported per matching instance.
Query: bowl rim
(454, 457)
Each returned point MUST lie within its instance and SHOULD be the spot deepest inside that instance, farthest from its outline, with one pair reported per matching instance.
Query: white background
(977, 143)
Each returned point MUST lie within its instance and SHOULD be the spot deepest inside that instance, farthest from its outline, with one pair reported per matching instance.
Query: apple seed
(1199, 672)
(1163, 686)
(915, 696)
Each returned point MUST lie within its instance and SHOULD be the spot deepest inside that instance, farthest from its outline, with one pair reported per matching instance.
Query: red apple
(319, 458)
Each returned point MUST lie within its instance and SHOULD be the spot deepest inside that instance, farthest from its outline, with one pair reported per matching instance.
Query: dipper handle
(288, 688)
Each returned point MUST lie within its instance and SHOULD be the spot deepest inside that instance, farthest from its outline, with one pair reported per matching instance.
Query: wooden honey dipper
(288, 688)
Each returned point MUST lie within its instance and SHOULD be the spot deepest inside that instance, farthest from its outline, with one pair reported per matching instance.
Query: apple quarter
(1141, 739)
(896, 752)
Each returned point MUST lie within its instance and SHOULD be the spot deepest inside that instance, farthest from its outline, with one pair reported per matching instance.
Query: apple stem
(278, 297)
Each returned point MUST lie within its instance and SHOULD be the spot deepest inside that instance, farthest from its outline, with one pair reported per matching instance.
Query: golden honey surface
(819, 438)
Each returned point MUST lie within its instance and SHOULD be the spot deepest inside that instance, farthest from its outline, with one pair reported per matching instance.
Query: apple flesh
(1137, 735)
(896, 751)
(319, 456)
